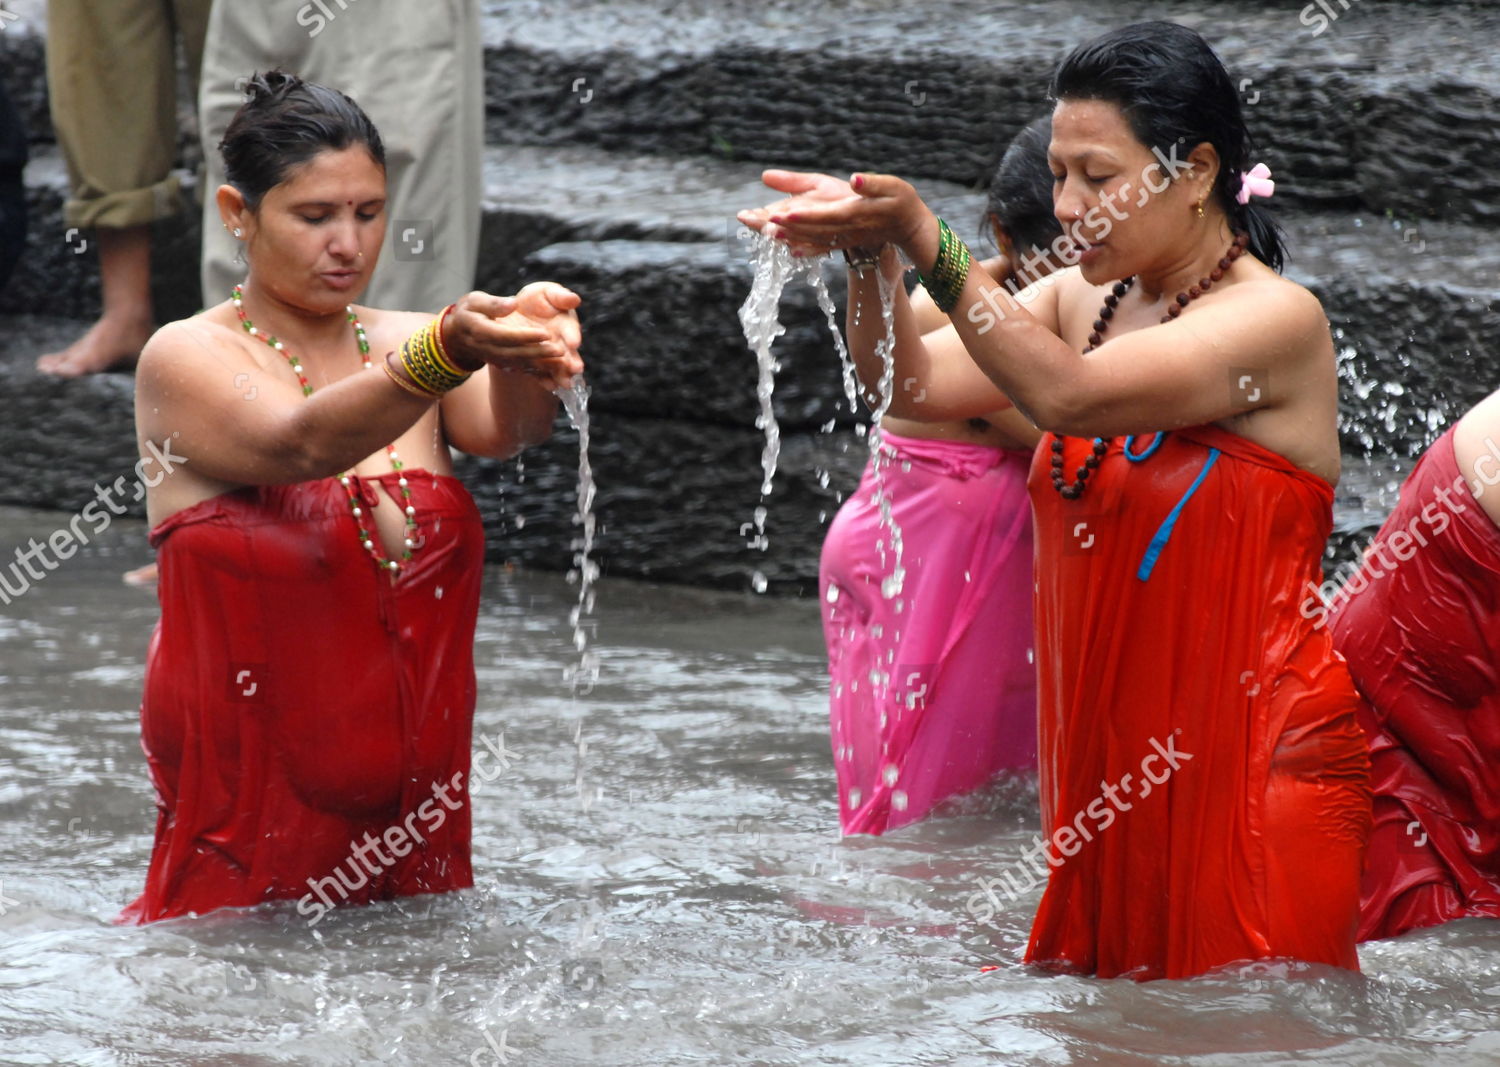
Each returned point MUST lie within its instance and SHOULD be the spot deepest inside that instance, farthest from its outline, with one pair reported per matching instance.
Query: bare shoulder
(1278, 303)
(187, 343)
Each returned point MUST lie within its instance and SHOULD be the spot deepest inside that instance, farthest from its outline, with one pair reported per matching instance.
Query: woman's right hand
(534, 332)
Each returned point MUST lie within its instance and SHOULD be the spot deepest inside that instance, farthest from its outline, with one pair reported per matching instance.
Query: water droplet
(758, 582)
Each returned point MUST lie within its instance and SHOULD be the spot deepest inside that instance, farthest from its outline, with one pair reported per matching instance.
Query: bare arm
(934, 378)
(1170, 375)
(242, 424)
(928, 316)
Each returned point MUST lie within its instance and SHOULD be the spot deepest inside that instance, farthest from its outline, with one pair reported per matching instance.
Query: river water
(659, 880)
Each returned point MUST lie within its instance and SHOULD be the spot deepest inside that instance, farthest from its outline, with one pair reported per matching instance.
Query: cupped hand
(823, 214)
(535, 332)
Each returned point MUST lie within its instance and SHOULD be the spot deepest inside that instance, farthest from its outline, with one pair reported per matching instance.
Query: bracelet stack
(949, 271)
(429, 368)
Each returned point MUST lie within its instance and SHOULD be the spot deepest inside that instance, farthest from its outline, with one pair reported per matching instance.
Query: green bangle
(949, 271)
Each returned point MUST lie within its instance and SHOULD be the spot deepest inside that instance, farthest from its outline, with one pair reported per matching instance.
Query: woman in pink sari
(933, 689)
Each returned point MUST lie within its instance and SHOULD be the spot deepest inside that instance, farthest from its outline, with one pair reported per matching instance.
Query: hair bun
(263, 88)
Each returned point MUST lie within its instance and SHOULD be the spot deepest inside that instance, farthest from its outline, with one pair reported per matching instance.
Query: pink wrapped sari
(933, 691)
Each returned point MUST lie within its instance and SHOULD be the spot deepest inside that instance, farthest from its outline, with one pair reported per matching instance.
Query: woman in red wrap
(1419, 623)
(1204, 782)
(310, 685)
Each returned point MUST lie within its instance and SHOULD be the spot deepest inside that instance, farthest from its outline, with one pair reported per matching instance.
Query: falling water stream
(774, 267)
(582, 676)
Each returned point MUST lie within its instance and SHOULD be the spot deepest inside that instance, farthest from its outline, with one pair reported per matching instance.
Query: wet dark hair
(283, 123)
(1020, 193)
(1174, 90)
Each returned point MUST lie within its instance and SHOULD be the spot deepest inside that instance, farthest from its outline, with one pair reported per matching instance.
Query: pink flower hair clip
(1256, 182)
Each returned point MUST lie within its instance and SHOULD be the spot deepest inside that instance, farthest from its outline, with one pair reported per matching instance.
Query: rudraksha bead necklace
(1096, 338)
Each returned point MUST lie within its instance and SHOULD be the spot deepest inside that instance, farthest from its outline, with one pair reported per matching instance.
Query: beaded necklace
(366, 537)
(1101, 325)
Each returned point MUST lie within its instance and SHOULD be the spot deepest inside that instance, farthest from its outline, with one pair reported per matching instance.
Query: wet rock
(63, 438)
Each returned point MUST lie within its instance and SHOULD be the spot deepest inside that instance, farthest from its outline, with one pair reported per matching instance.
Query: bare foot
(141, 576)
(107, 344)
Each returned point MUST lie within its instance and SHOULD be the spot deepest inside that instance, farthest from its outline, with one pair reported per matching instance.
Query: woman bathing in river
(310, 686)
(1204, 782)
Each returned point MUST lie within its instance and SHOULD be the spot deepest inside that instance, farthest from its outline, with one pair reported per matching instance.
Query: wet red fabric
(1204, 782)
(1420, 626)
(299, 705)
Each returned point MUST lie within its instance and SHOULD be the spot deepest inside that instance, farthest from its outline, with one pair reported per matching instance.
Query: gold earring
(1200, 208)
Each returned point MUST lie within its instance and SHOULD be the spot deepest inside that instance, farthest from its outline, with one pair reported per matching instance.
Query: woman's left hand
(824, 213)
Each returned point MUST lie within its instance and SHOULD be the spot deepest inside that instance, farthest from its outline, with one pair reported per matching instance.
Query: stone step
(1387, 107)
(1351, 116)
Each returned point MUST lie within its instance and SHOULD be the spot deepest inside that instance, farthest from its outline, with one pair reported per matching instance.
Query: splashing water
(759, 318)
(773, 268)
(825, 301)
(885, 348)
(575, 401)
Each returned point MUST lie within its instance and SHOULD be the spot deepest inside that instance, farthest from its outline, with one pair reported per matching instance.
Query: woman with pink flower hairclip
(1204, 781)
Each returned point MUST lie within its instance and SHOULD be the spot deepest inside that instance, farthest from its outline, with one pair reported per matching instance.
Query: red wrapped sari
(1204, 781)
(307, 721)
(1420, 626)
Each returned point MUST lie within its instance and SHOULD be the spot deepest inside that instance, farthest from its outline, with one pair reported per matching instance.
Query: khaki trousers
(112, 80)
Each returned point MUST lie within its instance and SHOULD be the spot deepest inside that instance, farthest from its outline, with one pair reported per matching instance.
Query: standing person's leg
(112, 80)
(431, 118)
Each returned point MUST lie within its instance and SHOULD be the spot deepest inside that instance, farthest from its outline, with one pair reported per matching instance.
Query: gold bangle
(420, 366)
(419, 359)
(442, 347)
(409, 387)
(433, 342)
